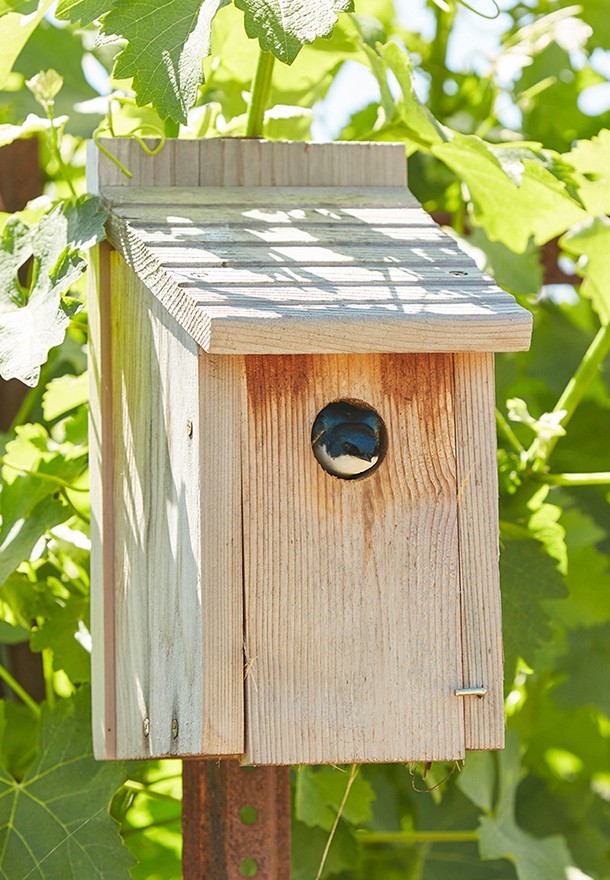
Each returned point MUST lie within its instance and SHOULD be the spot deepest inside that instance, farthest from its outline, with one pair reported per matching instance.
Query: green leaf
(513, 198)
(25, 7)
(166, 45)
(283, 27)
(587, 665)
(12, 635)
(64, 394)
(529, 576)
(15, 31)
(478, 778)
(66, 633)
(34, 319)
(320, 791)
(520, 274)
(590, 243)
(592, 159)
(84, 11)
(34, 470)
(501, 838)
(55, 824)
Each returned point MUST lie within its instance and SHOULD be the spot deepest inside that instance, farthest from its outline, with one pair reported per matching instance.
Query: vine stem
(348, 787)
(23, 695)
(261, 86)
(411, 837)
(576, 388)
(141, 788)
(594, 479)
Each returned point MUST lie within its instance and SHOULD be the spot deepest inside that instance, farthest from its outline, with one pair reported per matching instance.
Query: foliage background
(509, 149)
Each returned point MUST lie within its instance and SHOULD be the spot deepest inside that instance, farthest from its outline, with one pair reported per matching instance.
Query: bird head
(346, 439)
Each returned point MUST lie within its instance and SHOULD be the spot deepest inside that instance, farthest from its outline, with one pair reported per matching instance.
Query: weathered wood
(258, 203)
(478, 531)
(248, 162)
(171, 635)
(352, 599)
(101, 468)
(233, 815)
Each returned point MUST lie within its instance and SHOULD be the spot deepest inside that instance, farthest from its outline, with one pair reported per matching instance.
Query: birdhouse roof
(346, 260)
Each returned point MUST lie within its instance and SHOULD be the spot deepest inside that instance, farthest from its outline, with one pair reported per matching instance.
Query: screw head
(174, 728)
(146, 727)
(189, 428)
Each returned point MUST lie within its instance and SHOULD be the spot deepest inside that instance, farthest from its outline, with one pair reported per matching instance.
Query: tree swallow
(346, 439)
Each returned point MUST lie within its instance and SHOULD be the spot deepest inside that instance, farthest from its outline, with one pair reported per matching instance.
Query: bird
(346, 439)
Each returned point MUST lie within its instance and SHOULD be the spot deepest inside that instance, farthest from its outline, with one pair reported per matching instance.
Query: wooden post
(235, 821)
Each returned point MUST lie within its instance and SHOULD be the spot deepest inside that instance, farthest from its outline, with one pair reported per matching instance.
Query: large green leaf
(529, 576)
(587, 666)
(515, 197)
(166, 45)
(592, 159)
(84, 11)
(284, 26)
(34, 318)
(500, 836)
(54, 823)
(590, 244)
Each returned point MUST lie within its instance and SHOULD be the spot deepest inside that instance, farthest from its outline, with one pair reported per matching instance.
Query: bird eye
(350, 449)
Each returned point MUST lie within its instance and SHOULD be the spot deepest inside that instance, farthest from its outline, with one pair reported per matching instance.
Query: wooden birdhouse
(247, 600)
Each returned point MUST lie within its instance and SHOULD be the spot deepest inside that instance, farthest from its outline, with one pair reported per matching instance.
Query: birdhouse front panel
(294, 504)
(352, 585)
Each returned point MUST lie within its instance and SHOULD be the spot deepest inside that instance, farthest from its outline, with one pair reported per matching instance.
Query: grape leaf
(66, 633)
(22, 6)
(592, 159)
(587, 665)
(34, 319)
(283, 27)
(15, 31)
(85, 11)
(319, 792)
(64, 394)
(166, 45)
(51, 823)
(504, 186)
(528, 577)
(500, 837)
(590, 242)
(35, 468)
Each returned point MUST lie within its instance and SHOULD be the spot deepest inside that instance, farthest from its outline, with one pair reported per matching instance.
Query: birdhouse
(294, 497)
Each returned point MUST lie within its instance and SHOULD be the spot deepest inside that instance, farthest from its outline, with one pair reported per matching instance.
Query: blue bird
(346, 439)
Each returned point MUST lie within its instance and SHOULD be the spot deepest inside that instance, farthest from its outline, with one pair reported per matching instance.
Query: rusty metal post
(235, 821)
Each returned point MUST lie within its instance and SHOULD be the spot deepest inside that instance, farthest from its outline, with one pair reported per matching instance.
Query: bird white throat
(344, 465)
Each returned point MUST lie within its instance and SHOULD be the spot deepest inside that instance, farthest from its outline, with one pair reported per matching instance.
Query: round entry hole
(349, 439)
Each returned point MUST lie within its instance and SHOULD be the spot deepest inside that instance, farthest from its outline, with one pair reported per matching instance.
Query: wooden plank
(101, 468)
(164, 679)
(248, 162)
(219, 439)
(352, 594)
(310, 213)
(440, 328)
(266, 199)
(478, 538)
(303, 274)
(175, 231)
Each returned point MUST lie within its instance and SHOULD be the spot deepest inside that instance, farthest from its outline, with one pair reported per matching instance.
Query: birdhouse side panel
(478, 529)
(154, 663)
(353, 642)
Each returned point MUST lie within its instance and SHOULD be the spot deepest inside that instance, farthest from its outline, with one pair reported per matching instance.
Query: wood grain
(247, 162)
(352, 594)
(178, 664)
(478, 529)
(101, 469)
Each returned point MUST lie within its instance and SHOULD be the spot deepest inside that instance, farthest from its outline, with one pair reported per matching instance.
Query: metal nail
(189, 428)
(174, 728)
(146, 727)
(470, 692)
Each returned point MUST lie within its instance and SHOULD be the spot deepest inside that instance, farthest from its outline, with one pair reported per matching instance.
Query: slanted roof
(307, 268)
